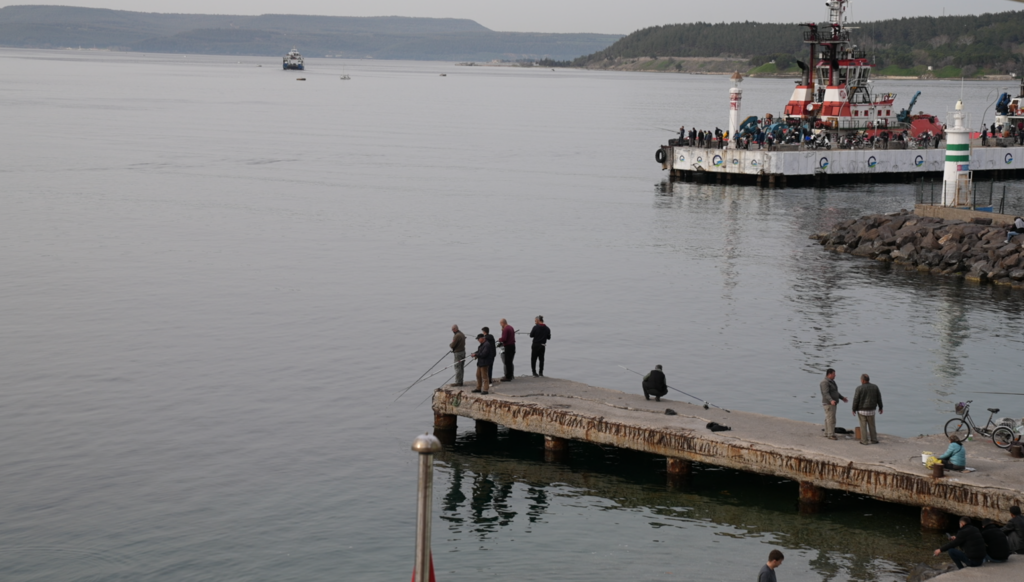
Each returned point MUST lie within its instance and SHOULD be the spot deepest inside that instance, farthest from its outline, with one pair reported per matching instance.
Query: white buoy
(956, 177)
(735, 96)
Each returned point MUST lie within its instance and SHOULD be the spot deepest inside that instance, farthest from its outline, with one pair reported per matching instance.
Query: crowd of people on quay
(1010, 130)
(814, 139)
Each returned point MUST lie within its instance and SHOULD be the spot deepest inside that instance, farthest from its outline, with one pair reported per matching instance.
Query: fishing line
(429, 369)
(706, 403)
(431, 395)
(432, 375)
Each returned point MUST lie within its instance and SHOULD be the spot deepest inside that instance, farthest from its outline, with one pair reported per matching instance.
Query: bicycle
(962, 426)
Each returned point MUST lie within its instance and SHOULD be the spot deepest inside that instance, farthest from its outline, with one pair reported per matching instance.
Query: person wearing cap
(484, 356)
(494, 348)
(654, 384)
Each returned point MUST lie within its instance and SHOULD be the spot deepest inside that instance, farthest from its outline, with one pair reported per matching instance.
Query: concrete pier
(891, 471)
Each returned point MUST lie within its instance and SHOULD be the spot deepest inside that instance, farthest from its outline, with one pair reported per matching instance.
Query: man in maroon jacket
(508, 340)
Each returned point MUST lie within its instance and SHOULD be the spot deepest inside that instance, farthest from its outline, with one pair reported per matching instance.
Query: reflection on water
(497, 489)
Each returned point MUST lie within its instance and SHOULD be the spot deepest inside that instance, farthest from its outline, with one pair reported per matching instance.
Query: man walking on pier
(866, 398)
(508, 340)
(458, 347)
(830, 397)
(767, 573)
(540, 334)
(484, 358)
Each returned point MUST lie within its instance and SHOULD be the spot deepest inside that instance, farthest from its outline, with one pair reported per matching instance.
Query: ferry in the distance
(293, 61)
(835, 128)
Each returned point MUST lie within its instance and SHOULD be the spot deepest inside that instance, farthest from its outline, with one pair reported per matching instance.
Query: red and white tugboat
(835, 93)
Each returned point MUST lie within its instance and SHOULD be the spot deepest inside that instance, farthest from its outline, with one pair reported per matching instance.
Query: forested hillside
(969, 45)
(388, 37)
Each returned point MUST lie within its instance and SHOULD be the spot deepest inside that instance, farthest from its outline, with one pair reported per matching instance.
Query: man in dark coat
(540, 334)
(866, 399)
(508, 341)
(967, 547)
(494, 347)
(1014, 531)
(997, 549)
(654, 384)
(484, 356)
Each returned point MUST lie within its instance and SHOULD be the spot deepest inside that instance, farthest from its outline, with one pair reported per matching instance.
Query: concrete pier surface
(1011, 571)
(890, 471)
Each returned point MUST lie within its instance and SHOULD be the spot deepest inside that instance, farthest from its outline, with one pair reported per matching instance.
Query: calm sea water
(215, 280)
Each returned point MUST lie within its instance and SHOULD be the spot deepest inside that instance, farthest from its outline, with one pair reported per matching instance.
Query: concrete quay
(891, 471)
(1011, 571)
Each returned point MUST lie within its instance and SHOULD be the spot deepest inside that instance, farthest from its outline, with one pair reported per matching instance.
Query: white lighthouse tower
(956, 178)
(735, 96)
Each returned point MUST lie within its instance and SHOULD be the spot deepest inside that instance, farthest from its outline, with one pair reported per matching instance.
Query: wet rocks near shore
(975, 251)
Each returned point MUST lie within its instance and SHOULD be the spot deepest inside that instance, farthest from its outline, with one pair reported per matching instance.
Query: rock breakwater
(975, 250)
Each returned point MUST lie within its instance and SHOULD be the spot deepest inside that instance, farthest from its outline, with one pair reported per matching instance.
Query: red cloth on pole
(432, 578)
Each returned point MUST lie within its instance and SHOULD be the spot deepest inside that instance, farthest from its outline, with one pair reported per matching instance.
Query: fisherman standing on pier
(508, 341)
(654, 384)
(458, 347)
(866, 398)
(830, 397)
(540, 334)
(484, 358)
(494, 351)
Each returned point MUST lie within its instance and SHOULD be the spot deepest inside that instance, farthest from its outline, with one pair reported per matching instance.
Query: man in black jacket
(484, 358)
(654, 384)
(997, 549)
(1014, 531)
(540, 334)
(967, 547)
(494, 348)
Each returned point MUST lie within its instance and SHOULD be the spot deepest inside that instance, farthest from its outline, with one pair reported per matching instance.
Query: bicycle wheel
(959, 428)
(1002, 437)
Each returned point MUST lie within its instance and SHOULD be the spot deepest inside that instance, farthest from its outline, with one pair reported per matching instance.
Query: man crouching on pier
(830, 397)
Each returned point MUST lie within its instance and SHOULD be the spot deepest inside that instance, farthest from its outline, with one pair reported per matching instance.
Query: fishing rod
(432, 375)
(429, 369)
(706, 403)
(431, 395)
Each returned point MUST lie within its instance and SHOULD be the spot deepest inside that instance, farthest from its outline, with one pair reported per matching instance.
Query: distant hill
(951, 45)
(385, 37)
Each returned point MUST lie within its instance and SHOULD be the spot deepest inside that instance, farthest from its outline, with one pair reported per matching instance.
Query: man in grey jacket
(830, 397)
(866, 399)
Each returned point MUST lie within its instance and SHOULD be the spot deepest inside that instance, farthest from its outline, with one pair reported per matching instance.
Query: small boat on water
(293, 61)
(346, 78)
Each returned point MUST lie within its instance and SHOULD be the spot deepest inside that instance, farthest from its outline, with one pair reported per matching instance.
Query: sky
(561, 15)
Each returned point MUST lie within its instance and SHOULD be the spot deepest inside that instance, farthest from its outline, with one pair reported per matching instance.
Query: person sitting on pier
(1014, 530)
(955, 457)
(830, 396)
(1017, 228)
(997, 549)
(654, 384)
(967, 547)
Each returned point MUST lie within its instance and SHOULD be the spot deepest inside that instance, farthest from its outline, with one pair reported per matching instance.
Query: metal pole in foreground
(426, 445)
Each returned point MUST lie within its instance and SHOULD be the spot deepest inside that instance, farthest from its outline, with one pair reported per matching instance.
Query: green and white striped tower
(956, 179)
